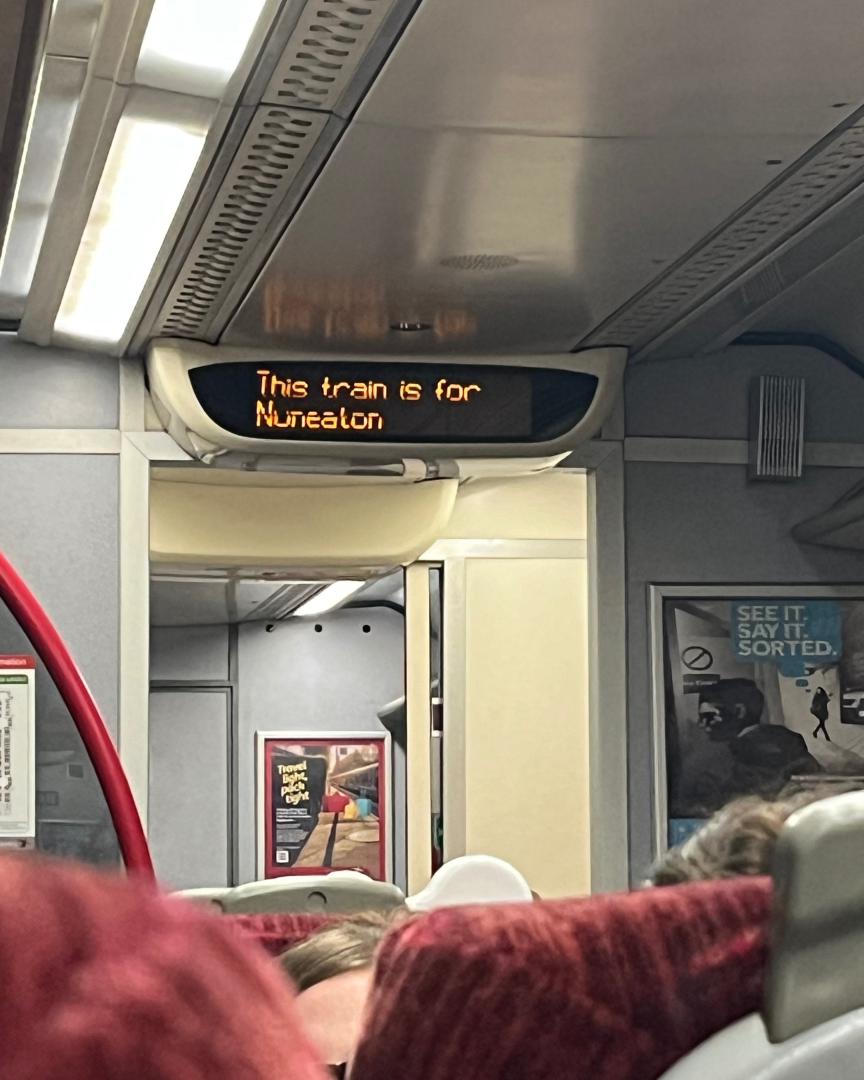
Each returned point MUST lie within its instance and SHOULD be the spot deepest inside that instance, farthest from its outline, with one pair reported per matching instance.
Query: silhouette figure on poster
(819, 709)
(743, 753)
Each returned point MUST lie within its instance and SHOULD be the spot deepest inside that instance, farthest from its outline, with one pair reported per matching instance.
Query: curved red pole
(85, 713)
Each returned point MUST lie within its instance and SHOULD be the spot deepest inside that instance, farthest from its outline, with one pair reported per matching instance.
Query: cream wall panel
(551, 506)
(526, 719)
(316, 527)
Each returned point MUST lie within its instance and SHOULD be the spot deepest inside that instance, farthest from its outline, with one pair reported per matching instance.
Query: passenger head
(347, 945)
(739, 840)
(107, 978)
(333, 972)
(729, 706)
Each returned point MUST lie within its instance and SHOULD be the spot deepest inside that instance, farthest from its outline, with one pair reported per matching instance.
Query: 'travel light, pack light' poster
(323, 804)
(758, 688)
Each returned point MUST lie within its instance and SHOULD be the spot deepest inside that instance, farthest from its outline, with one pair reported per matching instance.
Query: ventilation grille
(777, 428)
(479, 262)
(269, 159)
(325, 49)
(834, 169)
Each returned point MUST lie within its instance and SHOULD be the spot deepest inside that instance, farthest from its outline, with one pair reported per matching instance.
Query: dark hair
(740, 839)
(731, 692)
(347, 945)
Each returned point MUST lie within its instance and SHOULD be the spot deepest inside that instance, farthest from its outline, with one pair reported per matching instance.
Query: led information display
(392, 402)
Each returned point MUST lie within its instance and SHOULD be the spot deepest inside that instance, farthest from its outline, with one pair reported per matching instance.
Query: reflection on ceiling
(519, 172)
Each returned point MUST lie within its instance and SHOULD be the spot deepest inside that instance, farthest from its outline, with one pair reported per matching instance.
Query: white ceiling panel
(590, 222)
(618, 67)
(578, 146)
(827, 302)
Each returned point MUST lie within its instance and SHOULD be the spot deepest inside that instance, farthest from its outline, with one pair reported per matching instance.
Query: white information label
(17, 795)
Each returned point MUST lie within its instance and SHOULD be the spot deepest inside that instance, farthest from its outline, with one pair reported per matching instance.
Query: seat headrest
(343, 892)
(472, 879)
(819, 889)
(832, 1051)
(611, 988)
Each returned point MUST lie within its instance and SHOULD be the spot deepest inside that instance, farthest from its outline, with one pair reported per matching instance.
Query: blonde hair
(738, 840)
(346, 946)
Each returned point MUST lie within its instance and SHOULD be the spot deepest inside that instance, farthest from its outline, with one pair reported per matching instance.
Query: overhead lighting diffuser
(329, 598)
(195, 46)
(148, 169)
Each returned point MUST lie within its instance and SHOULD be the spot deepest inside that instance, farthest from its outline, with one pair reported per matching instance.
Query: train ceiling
(441, 175)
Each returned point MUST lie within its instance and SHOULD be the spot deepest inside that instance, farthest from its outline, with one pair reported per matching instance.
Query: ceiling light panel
(186, 70)
(156, 147)
(329, 598)
(54, 106)
(195, 46)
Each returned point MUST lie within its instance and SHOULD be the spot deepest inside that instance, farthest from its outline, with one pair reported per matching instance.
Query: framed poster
(17, 748)
(323, 803)
(754, 687)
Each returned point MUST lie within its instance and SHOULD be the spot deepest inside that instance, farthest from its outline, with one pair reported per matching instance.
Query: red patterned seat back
(278, 932)
(104, 977)
(608, 988)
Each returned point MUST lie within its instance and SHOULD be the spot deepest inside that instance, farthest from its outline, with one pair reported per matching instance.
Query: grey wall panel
(336, 680)
(189, 794)
(56, 388)
(189, 653)
(707, 397)
(690, 524)
(59, 526)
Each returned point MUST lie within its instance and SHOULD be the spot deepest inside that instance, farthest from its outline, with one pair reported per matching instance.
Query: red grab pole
(85, 713)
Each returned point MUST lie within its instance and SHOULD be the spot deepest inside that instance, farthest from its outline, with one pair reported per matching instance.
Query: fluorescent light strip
(148, 169)
(331, 597)
(195, 46)
(192, 49)
(55, 103)
(31, 119)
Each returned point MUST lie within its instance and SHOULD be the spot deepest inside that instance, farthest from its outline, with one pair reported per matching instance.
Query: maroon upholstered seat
(607, 988)
(278, 932)
(104, 978)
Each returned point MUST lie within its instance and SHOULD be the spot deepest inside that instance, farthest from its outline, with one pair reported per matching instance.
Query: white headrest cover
(472, 879)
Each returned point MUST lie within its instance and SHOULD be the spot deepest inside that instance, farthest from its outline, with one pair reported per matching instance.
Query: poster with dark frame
(755, 689)
(323, 803)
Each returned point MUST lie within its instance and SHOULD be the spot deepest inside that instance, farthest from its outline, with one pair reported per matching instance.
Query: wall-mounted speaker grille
(325, 49)
(272, 153)
(834, 168)
(777, 428)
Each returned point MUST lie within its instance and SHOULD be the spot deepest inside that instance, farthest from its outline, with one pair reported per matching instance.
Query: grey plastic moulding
(815, 971)
(170, 361)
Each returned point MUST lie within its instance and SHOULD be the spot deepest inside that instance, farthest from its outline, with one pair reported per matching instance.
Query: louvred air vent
(833, 169)
(270, 157)
(327, 45)
(777, 428)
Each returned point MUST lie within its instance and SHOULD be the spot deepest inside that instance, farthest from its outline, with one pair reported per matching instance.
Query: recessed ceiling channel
(182, 135)
(56, 92)
(809, 213)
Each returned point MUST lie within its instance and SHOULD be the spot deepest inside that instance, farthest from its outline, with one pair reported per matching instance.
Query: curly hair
(738, 840)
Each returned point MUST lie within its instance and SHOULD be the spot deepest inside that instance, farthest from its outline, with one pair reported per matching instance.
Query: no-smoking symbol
(697, 658)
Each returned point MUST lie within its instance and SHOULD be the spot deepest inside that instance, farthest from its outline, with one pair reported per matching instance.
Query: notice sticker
(17, 746)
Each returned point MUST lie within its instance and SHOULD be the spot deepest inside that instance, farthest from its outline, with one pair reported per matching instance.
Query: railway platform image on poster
(323, 803)
(754, 688)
